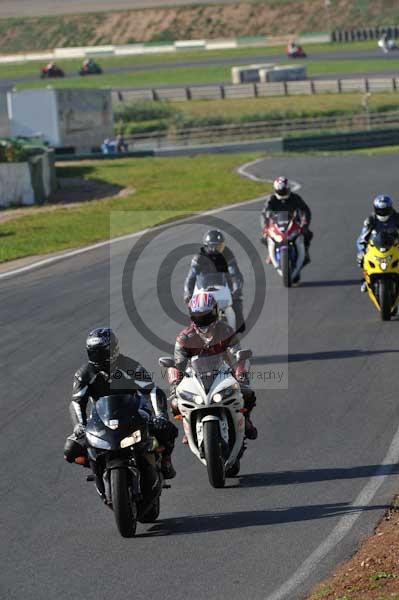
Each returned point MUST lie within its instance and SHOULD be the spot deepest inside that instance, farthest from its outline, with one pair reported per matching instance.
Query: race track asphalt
(320, 440)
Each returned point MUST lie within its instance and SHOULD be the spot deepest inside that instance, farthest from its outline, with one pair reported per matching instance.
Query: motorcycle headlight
(384, 262)
(132, 439)
(97, 442)
(190, 397)
(223, 395)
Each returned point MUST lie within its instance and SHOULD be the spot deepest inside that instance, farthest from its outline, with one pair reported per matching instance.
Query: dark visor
(202, 320)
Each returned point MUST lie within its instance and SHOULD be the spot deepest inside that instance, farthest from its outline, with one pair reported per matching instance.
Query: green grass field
(204, 75)
(160, 186)
(73, 65)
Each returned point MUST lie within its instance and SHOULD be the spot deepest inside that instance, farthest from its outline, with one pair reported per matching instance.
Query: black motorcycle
(124, 459)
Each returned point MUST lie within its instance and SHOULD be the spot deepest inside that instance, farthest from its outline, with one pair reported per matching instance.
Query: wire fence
(263, 130)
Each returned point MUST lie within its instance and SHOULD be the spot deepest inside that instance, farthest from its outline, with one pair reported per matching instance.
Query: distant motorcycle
(387, 45)
(124, 458)
(296, 52)
(217, 284)
(381, 273)
(90, 69)
(51, 71)
(286, 245)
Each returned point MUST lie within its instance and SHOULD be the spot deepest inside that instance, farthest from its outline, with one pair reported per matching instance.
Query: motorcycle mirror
(243, 355)
(166, 361)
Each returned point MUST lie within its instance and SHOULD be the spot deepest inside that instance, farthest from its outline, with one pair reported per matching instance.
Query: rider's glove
(359, 259)
(160, 422)
(79, 430)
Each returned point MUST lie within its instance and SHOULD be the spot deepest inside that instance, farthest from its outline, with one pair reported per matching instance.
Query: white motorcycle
(212, 409)
(217, 284)
(387, 45)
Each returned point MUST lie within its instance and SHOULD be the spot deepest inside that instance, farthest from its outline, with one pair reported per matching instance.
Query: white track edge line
(344, 525)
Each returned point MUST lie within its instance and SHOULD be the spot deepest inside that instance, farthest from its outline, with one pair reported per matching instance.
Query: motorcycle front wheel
(213, 454)
(286, 267)
(385, 299)
(124, 507)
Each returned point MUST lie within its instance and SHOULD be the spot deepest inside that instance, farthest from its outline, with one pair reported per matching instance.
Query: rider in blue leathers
(385, 218)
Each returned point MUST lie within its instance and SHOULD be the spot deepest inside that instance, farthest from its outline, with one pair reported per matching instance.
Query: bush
(12, 151)
(143, 111)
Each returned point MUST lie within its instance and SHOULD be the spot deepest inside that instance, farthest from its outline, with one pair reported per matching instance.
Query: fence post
(256, 94)
(222, 92)
(394, 86)
(154, 95)
(285, 88)
(366, 84)
(339, 85)
(312, 87)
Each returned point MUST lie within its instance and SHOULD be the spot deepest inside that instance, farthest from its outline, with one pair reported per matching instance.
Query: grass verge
(158, 186)
(73, 65)
(139, 117)
(206, 74)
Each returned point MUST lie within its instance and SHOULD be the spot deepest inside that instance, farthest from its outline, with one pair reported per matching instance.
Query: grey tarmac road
(320, 441)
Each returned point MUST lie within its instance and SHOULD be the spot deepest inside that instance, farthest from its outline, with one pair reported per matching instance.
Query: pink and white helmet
(281, 188)
(203, 310)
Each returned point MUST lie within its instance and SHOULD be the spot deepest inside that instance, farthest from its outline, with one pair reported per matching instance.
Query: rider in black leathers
(109, 372)
(384, 218)
(215, 256)
(284, 199)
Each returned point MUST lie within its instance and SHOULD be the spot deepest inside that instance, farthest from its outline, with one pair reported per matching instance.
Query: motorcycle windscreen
(121, 410)
(208, 368)
(282, 219)
(210, 280)
(383, 240)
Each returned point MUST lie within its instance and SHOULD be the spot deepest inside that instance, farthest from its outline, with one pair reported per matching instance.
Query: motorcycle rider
(208, 335)
(109, 372)
(283, 199)
(384, 217)
(215, 256)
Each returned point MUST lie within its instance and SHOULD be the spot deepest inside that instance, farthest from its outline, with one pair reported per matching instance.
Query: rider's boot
(168, 470)
(250, 430)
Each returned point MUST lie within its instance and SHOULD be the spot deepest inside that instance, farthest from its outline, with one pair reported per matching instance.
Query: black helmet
(102, 348)
(213, 241)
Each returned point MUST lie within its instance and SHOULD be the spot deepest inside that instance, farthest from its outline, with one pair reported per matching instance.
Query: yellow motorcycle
(381, 272)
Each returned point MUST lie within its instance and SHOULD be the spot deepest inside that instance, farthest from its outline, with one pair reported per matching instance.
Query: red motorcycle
(51, 71)
(296, 52)
(286, 245)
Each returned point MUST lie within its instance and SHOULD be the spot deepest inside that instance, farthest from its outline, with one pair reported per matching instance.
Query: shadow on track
(328, 355)
(331, 283)
(255, 518)
(312, 475)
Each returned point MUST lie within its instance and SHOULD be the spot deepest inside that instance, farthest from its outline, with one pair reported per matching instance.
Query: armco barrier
(159, 48)
(342, 141)
(253, 90)
(364, 33)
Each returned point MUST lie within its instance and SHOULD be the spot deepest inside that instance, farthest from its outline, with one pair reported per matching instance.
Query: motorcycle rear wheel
(213, 454)
(125, 508)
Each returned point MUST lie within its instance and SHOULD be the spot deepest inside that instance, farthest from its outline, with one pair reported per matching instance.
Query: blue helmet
(383, 207)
